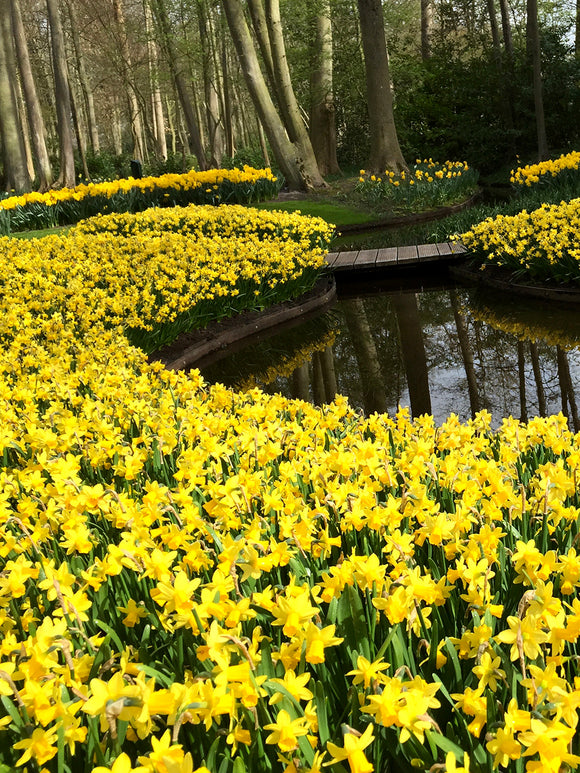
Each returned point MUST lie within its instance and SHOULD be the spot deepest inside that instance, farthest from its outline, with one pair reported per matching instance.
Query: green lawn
(333, 213)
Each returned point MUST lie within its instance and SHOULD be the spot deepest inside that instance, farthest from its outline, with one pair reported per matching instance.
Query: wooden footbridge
(395, 257)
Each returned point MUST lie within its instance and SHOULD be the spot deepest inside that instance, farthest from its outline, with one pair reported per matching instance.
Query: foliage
(69, 205)
(426, 185)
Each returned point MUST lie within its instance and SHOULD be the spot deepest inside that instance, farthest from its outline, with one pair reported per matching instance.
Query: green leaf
(321, 713)
(352, 622)
(112, 633)
(445, 744)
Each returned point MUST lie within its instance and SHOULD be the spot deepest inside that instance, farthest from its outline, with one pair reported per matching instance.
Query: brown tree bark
(385, 151)
(33, 108)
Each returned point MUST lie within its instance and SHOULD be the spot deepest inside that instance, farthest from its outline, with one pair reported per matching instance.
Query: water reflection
(437, 351)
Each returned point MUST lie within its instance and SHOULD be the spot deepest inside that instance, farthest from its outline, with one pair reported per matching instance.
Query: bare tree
(62, 96)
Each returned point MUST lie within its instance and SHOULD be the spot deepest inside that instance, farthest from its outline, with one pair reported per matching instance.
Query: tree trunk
(413, 351)
(291, 163)
(215, 127)
(33, 109)
(229, 124)
(167, 39)
(506, 31)
(318, 389)
(263, 144)
(258, 17)
(535, 57)
(16, 175)
(295, 127)
(84, 79)
(156, 101)
(322, 114)
(328, 373)
(538, 378)
(126, 71)
(466, 355)
(81, 136)
(385, 150)
(66, 175)
(522, 382)
(426, 28)
(567, 388)
(301, 383)
(372, 381)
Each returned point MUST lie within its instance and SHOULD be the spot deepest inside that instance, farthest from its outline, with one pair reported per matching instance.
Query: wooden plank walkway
(394, 257)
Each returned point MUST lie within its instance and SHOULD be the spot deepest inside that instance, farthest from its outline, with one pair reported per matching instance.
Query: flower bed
(32, 211)
(552, 171)
(426, 185)
(194, 578)
(543, 244)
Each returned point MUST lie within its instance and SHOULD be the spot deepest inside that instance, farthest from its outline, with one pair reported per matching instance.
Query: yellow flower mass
(198, 579)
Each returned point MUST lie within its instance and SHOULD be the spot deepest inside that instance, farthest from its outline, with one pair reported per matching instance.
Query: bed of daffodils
(543, 244)
(31, 211)
(198, 579)
(425, 185)
(546, 172)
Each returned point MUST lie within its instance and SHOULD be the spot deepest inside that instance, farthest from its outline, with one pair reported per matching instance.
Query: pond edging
(190, 348)
(472, 273)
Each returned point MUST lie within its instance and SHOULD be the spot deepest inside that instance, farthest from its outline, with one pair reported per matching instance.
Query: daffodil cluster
(543, 244)
(69, 205)
(545, 171)
(198, 579)
(425, 185)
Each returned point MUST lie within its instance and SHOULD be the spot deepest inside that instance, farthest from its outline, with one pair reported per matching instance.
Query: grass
(39, 234)
(339, 214)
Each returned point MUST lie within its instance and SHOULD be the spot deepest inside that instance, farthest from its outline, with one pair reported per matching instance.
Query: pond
(438, 349)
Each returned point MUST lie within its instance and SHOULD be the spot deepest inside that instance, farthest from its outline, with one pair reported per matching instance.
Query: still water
(441, 350)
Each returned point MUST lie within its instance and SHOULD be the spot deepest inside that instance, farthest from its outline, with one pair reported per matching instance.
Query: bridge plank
(393, 256)
(345, 259)
(407, 254)
(444, 248)
(427, 251)
(387, 256)
(366, 258)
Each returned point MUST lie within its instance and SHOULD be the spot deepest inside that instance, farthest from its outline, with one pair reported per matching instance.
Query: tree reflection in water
(441, 351)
